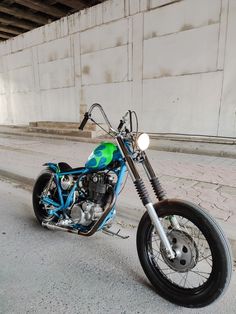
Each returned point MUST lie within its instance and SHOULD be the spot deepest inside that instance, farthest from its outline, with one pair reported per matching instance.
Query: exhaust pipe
(53, 226)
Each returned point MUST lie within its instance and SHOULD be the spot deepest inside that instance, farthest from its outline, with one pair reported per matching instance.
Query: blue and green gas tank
(103, 155)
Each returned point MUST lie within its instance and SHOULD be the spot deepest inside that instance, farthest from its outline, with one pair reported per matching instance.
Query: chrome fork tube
(159, 228)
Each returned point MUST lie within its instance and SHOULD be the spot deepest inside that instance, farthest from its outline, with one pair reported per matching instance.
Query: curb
(54, 136)
(157, 143)
(197, 150)
(16, 178)
(126, 216)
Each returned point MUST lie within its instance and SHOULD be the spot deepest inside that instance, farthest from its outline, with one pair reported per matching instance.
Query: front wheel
(202, 268)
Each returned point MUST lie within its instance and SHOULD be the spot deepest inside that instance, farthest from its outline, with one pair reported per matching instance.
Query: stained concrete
(129, 54)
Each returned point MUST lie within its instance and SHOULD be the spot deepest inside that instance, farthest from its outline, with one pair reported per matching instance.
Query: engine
(97, 189)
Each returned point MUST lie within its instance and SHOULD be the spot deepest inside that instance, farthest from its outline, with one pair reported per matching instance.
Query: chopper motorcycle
(182, 250)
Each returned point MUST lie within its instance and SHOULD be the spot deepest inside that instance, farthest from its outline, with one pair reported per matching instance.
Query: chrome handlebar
(87, 116)
(102, 112)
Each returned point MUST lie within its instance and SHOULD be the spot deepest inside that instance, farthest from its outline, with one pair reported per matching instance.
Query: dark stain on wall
(211, 22)
(164, 72)
(86, 69)
(52, 56)
(154, 34)
(118, 41)
(186, 27)
(108, 77)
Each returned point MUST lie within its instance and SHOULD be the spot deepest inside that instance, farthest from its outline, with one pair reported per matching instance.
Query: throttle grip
(120, 125)
(84, 121)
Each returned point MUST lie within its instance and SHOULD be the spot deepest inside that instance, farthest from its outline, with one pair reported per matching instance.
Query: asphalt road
(43, 271)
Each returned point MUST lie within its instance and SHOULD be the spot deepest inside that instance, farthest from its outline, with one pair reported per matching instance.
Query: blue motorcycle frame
(67, 200)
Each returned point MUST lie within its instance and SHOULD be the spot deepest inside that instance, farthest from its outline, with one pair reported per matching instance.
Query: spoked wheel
(42, 187)
(202, 267)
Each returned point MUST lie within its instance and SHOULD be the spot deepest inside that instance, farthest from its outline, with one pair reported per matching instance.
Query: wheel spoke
(204, 258)
(200, 273)
(185, 280)
(192, 277)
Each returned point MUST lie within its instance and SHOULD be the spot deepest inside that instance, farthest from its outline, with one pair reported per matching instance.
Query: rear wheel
(44, 185)
(202, 268)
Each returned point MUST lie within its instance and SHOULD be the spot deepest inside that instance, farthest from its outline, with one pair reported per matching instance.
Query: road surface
(43, 271)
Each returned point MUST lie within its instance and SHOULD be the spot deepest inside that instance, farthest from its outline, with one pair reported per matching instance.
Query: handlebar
(120, 126)
(87, 116)
(84, 121)
(102, 112)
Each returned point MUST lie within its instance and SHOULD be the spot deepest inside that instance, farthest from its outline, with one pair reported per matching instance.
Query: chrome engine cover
(85, 213)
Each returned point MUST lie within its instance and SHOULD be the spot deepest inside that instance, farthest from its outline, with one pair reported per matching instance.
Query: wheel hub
(185, 249)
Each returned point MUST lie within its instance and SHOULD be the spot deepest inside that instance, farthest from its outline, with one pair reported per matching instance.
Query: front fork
(144, 195)
(157, 188)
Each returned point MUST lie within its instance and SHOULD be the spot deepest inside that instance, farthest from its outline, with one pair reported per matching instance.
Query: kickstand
(117, 234)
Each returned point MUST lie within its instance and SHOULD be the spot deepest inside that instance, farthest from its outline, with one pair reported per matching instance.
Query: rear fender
(52, 166)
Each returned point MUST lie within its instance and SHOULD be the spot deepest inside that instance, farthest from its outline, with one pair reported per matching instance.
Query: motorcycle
(182, 250)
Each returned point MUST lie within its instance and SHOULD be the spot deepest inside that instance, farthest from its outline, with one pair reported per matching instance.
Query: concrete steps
(91, 130)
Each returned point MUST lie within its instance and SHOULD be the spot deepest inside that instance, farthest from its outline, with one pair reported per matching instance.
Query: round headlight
(143, 141)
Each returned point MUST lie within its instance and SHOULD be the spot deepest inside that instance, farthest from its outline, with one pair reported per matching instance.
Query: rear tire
(40, 185)
(161, 272)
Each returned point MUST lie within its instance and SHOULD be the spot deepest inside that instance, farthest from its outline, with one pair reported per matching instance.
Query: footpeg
(112, 233)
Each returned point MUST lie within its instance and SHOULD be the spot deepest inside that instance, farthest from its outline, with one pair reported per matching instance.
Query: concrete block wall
(173, 61)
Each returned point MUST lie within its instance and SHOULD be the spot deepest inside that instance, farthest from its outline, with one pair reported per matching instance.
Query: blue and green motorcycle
(182, 250)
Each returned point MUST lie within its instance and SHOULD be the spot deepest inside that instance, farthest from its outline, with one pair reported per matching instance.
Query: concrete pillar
(227, 120)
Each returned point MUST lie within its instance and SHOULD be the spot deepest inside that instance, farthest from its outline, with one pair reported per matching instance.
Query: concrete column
(227, 120)
(36, 96)
(75, 48)
(5, 94)
(137, 63)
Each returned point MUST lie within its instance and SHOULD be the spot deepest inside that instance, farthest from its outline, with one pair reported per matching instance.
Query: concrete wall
(172, 61)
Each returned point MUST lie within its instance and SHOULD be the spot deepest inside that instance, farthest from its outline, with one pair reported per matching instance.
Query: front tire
(201, 271)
